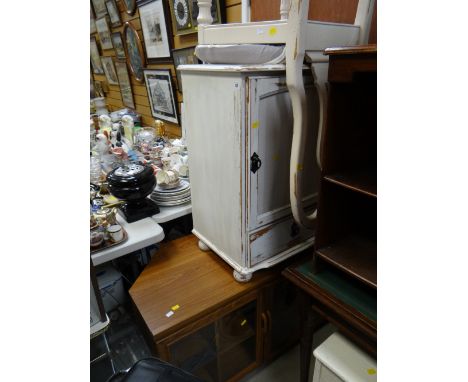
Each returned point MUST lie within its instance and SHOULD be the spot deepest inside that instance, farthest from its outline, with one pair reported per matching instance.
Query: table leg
(311, 322)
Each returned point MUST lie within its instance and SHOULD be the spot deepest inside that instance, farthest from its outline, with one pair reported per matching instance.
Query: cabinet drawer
(274, 238)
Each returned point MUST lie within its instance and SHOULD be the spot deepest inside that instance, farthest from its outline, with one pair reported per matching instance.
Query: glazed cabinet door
(270, 123)
(221, 350)
(282, 309)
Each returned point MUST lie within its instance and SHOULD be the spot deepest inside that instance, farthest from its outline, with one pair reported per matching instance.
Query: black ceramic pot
(133, 183)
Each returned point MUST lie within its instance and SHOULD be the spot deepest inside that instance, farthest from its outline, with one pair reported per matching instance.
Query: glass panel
(236, 359)
(285, 316)
(236, 327)
(196, 353)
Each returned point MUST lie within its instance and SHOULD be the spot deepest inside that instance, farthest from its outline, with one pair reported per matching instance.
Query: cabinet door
(270, 135)
(283, 315)
(227, 347)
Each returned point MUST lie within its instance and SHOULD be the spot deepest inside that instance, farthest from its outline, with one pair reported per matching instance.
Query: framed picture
(116, 38)
(98, 91)
(92, 22)
(125, 86)
(99, 8)
(184, 56)
(130, 6)
(134, 51)
(161, 94)
(95, 56)
(114, 13)
(184, 15)
(109, 70)
(104, 33)
(156, 30)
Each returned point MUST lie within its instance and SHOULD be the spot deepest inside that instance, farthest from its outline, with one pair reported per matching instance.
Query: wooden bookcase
(347, 213)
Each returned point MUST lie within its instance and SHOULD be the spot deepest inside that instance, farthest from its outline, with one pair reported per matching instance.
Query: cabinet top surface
(347, 50)
(231, 68)
(198, 282)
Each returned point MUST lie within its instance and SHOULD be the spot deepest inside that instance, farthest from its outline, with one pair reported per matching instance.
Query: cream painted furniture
(239, 117)
(239, 140)
(339, 360)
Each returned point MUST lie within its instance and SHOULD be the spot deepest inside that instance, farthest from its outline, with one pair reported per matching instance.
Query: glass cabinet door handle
(264, 323)
(270, 321)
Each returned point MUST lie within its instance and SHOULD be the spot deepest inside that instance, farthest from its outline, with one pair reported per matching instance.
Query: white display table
(141, 234)
(170, 213)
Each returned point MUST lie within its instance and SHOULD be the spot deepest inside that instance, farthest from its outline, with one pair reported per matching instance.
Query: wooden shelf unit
(347, 213)
(354, 255)
(363, 181)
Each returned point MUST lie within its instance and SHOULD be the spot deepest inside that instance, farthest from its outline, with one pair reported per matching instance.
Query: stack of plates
(172, 197)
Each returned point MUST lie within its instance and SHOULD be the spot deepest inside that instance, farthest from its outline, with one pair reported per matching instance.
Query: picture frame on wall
(184, 56)
(103, 30)
(130, 6)
(114, 13)
(109, 70)
(95, 55)
(161, 94)
(134, 51)
(118, 44)
(184, 15)
(156, 30)
(98, 90)
(125, 85)
(99, 7)
(92, 22)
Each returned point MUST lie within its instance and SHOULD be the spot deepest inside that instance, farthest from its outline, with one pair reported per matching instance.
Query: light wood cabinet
(239, 132)
(222, 329)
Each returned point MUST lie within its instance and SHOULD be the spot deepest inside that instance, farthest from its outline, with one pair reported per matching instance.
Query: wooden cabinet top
(358, 49)
(198, 282)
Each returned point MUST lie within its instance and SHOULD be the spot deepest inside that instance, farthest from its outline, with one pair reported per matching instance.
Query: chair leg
(306, 346)
(109, 353)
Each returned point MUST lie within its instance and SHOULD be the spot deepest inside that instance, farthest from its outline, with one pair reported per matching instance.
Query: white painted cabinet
(239, 131)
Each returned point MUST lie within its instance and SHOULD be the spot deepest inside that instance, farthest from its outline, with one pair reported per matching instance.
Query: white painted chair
(303, 38)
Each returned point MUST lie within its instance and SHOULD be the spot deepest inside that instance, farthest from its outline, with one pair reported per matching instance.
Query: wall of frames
(123, 16)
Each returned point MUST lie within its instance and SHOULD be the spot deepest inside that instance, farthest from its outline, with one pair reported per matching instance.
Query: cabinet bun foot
(203, 246)
(242, 277)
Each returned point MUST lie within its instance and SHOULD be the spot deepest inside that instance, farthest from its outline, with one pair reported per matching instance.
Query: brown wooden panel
(234, 14)
(340, 11)
(199, 282)
(373, 28)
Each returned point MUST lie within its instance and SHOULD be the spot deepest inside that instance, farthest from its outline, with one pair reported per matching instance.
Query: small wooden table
(197, 317)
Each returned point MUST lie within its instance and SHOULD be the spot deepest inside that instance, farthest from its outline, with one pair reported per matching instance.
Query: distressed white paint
(245, 11)
(215, 141)
(220, 142)
(270, 121)
(299, 35)
(363, 19)
(204, 12)
(284, 9)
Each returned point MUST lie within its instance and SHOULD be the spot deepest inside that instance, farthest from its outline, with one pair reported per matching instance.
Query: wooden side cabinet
(222, 329)
(240, 191)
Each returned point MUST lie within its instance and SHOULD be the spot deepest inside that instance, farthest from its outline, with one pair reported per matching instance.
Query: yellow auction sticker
(371, 371)
(272, 31)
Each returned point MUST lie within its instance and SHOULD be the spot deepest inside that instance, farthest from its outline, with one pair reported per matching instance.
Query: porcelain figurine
(128, 125)
(167, 177)
(105, 123)
(102, 146)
